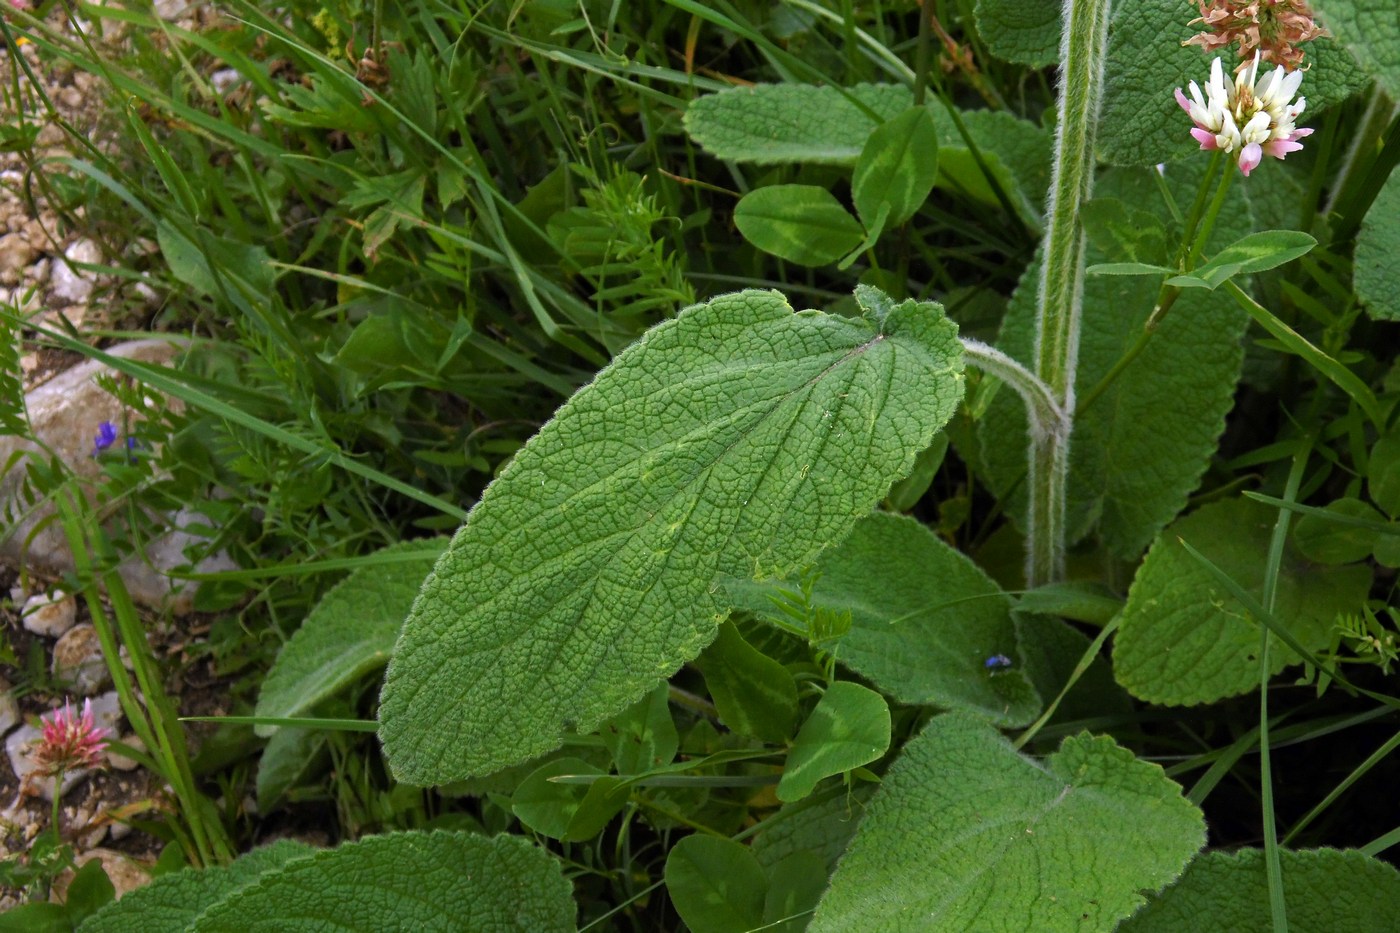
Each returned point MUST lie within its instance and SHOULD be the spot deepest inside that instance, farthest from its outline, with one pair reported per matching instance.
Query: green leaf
(966, 834)
(800, 223)
(1370, 31)
(1327, 542)
(924, 620)
(1127, 268)
(1051, 650)
(1079, 600)
(906, 493)
(754, 694)
(774, 123)
(1142, 446)
(643, 736)
(734, 441)
(349, 634)
(1256, 252)
(1184, 640)
(1015, 153)
(89, 891)
(896, 168)
(425, 882)
(170, 903)
(1027, 33)
(571, 812)
(795, 885)
(1140, 122)
(716, 885)
(820, 825)
(36, 917)
(1383, 473)
(849, 727)
(290, 757)
(232, 262)
(1324, 889)
(1377, 261)
(1126, 233)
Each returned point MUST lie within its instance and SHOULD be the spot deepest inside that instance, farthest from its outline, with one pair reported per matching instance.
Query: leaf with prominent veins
(734, 441)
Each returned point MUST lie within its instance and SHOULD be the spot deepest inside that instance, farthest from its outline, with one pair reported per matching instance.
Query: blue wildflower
(106, 437)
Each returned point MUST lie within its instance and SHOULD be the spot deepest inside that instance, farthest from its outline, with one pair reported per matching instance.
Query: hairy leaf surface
(1370, 30)
(1140, 449)
(967, 834)
(350, 632)
(1324, 889)
(170, 903)
(1183, 639)
(426, 882)
(924, 620)
(733, 442)
(1377, 275)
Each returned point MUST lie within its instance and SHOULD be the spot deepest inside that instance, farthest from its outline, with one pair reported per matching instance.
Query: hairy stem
(1082, 51)
(1043, 411)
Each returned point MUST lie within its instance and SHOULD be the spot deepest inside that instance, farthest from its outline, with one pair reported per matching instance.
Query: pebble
(70, 284)
(16, 254)
(121, 762)
(50, 616)
(126, 874)
(107, 711)
(77, 658)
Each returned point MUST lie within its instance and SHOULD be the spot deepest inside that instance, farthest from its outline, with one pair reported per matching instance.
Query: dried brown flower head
(1273, 28)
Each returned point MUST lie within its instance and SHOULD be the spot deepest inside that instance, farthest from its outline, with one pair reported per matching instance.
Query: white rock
(69, 283)
(125, 873)
(119, 831)
(77, 659)
(50, 616)
(107, 711)
(170, 9)
(20, 748)
(121, 762)
(65, 413)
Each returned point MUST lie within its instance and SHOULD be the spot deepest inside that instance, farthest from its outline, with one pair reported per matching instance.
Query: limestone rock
(50, 615)
(121, 762)
(16, 254)
(77, 659)
(9, 709)
(126, 873)
(65, 413)
(67, 281)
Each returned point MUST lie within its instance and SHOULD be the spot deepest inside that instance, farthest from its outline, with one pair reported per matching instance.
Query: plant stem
(1042, 410)
(1193, 240)
(1082, 51)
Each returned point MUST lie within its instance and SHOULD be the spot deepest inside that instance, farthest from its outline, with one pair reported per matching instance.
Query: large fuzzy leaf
(1370, 30)
(1021, 31)
(350, 632)
(1377, 274)
(1324, 890)
(449, 882)
(733, 442)
(1183, 639)
(967, 834)
(1140, 449)
(924, 620)
(771, 123)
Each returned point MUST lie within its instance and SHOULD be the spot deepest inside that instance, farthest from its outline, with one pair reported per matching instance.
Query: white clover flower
(1251, 118)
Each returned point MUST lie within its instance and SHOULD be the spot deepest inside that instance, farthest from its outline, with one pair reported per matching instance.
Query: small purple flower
(106, 437)
(997, 662)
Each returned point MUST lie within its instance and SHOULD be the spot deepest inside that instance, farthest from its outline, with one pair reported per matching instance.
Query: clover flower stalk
(69, 741)
(1248, 118)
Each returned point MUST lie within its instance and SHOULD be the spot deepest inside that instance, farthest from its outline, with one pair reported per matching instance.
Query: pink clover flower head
(1249, 117)
(70, 740)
